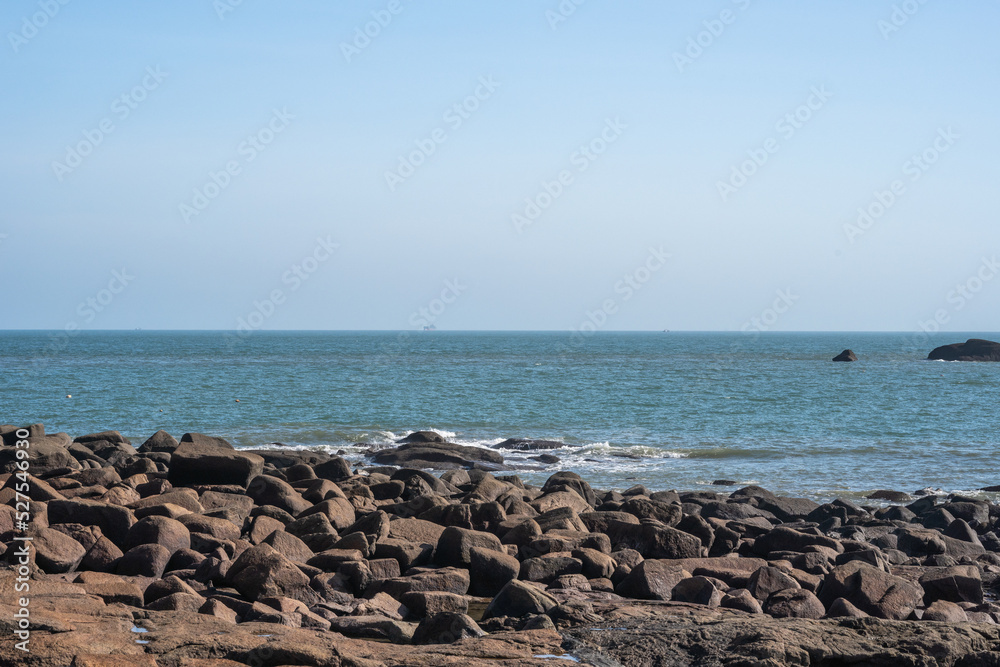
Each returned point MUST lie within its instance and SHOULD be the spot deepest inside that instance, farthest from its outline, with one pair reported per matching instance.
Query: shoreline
(198, 550)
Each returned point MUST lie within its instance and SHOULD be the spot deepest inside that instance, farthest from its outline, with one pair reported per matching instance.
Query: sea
(667, 410)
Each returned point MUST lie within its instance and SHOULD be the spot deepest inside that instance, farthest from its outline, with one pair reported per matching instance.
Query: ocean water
(669, 410)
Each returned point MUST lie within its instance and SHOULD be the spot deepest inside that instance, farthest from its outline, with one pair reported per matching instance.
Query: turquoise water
(668, 410)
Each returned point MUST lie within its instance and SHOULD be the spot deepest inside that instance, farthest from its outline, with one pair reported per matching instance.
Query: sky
(539, 165)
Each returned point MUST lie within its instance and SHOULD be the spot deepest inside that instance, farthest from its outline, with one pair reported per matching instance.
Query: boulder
(113, 520)
(261, 571)
(697, 590)
(145, 560)
(454, 547)
(794, 603)
(974, 349)
(267, 490)
(161, 441)
(871, 590)
(846, 355)
(651, 580)
(194, 463)
(56, 552)
(519, 599)
(528, 444)
(490, 570)
(446, 628)
(436, 455)
(959, 583)
(168, 533)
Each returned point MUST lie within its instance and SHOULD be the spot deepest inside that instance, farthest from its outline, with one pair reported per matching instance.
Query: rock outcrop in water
(846, 355)
(974, 349)
(293, 558)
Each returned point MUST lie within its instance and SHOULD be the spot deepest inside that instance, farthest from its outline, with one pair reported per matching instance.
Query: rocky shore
(192, 553)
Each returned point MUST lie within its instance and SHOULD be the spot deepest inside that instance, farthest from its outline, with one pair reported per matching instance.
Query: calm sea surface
(668, 410)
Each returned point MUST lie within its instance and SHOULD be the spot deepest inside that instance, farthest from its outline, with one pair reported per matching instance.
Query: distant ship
(430, 327)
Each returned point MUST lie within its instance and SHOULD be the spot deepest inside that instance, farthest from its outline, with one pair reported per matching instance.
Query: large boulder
(113, 520)
(262, 572)
(519, 599)
(56, 552)
(974, 349)
(267, 490)
(959, 583)
(652, 580)
(437, 455)
(194, 463)
(871, 590)
(454, 547)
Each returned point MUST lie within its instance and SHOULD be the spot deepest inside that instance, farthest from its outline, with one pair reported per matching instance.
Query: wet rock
(891, 496)
(846, 355)
(529, 444)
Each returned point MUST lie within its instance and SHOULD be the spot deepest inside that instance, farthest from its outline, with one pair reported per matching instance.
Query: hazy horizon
(563, 165)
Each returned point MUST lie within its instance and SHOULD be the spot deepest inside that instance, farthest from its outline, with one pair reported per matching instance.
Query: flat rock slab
(726, 639)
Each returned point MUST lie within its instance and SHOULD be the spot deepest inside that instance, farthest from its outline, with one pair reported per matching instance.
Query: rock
(202, 440)
(446, 628)
(846, 355)
(651, 580)
(168, 533)
(445, 580)
(742, 600)
(943, 610)
(546, 569)
(145, 560)
(841, 608)
(267, 490)
(871, 590)
(959, 583)
(338, 511)
(769, 580)
(697, 590)
(113, 520)
(161, 441)
(200, 463)
(519, 599)
(261, 571)
(56, 552)
(420, 436)
(436, 455)
(974, 349)
(378, 628)
(596, 565)
(428, 603)
(891, 496)
(490, 570)
(794, 603)
(289, 546)
(455, 545)
(103, 556)
(529, 444)
(644, 508)
(335, 470)
(783, 538)
(654, 540)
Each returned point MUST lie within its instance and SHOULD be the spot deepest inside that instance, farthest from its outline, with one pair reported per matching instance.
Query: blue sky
(499, 165)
